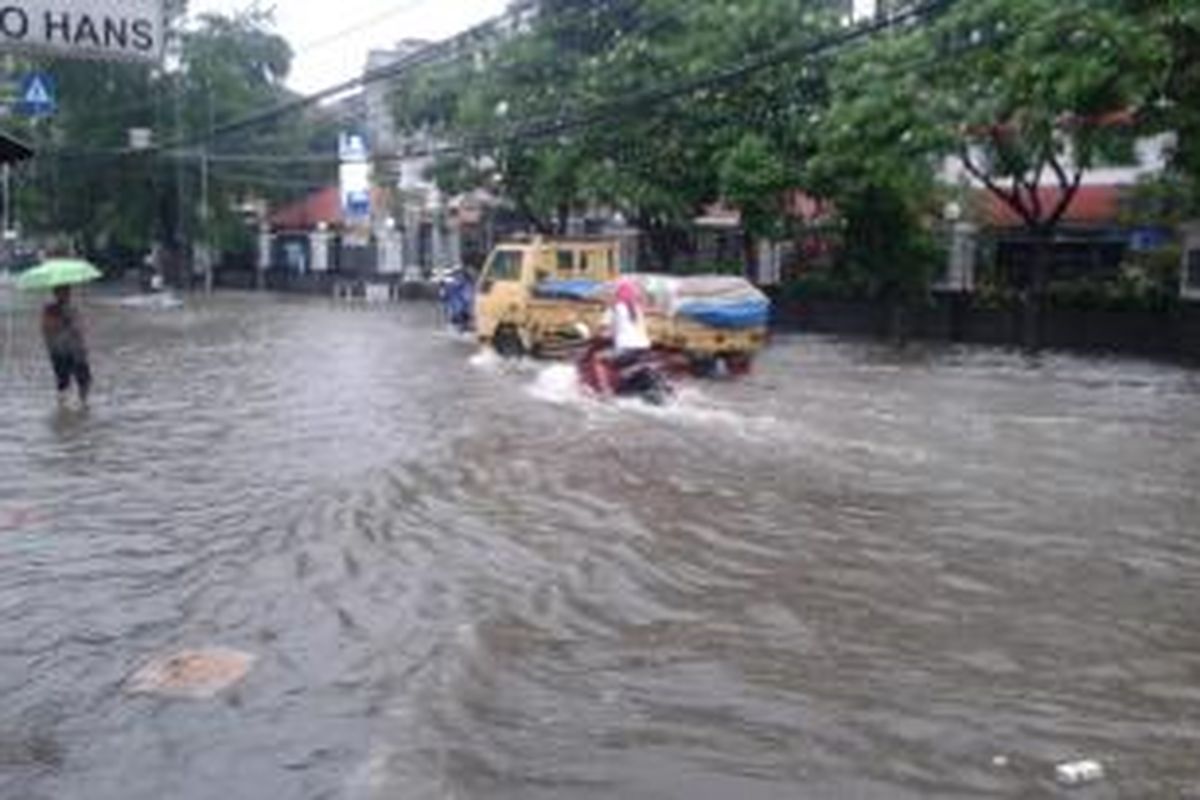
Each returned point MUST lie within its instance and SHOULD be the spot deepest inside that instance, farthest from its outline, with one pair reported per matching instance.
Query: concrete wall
(952, 318)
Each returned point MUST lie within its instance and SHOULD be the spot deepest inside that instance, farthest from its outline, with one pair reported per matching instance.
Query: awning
(13, 150)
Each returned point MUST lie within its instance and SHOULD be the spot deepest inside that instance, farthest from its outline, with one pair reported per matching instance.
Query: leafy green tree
(86, 183)
(755, 178)
(1034, 87)
(232, 66)
(875, 157)
(1178, 109)
(1022, 92)
(581, 110)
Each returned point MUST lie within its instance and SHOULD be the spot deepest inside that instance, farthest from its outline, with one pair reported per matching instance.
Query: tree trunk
(664, 248)
(896, 318)
(532, 219)
(660, 239)
(1034, 298)
(750, 254)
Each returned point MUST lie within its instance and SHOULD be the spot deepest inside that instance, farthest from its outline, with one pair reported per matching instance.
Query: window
(1192, 279)
(598, 262)
(506, 266)
(566, 262)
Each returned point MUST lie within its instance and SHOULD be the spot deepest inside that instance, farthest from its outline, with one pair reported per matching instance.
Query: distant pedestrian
(62, 330)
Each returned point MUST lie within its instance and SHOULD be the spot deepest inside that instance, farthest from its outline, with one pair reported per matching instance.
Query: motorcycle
(606, 374)
(457, 297)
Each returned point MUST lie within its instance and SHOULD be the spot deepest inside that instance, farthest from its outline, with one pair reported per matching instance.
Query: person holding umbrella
(62, 327)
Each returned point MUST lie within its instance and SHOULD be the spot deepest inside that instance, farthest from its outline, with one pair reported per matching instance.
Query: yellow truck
(533, 294)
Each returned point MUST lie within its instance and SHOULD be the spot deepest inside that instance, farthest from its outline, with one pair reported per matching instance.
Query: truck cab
(506, 311)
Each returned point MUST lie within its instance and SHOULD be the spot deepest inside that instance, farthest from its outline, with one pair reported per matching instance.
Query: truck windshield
(506, 266)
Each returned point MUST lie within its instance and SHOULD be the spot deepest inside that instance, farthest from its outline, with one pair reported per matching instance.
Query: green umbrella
(57, 272)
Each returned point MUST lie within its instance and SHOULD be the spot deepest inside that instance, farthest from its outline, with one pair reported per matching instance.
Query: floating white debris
(1077, 773)
(192, 674)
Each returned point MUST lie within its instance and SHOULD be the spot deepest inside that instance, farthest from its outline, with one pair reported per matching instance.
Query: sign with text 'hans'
(117, 29)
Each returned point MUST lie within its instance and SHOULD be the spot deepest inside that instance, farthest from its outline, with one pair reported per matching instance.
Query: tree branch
(1068, 195)
(1059, 171)
(1011, 199)
(1033, 186)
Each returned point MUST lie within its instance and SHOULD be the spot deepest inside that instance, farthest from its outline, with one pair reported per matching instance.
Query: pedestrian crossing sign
(36, 97)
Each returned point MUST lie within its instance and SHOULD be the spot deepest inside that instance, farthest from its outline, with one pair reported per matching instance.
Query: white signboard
(119, 29)
(355, 178)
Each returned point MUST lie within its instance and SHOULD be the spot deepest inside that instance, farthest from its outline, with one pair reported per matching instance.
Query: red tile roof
(322, 206)
(1092, 205)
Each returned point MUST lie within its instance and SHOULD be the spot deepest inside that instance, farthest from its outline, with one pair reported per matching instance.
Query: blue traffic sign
(36, 98)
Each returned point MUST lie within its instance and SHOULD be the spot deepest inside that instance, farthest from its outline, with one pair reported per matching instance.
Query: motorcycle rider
(625, 321)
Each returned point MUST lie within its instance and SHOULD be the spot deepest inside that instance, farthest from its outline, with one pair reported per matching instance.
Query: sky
(331, 39)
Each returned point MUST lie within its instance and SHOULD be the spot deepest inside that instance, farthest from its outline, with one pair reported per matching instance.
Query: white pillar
(960, 273)
(264, 248)
(768, 263)
(412, 235)
(437, 219)
(391, 251)
(319, 241)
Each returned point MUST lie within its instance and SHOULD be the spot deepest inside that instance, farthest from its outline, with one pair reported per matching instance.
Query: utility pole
(180, 190)
(205, 243)
(7, 172)
(7, 178)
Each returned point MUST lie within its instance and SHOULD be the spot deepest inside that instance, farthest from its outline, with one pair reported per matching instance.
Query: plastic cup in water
(1077, 773)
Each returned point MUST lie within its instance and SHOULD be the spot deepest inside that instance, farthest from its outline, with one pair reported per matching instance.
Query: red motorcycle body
(606, 375)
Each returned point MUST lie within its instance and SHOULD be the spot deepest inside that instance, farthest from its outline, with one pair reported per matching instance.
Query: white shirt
(628, 333)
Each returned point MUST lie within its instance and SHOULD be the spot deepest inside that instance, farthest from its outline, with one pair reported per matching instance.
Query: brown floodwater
(856, 574)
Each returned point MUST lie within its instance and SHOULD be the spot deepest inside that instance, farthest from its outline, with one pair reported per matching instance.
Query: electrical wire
(651, 99)
(438, 51)
(552, 126)
(423, 56)
(558, 124)
(333, 38)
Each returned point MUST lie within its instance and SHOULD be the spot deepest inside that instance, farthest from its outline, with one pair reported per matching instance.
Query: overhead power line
(423, 56)
(557, 124)
(603, 113)
(332, 38)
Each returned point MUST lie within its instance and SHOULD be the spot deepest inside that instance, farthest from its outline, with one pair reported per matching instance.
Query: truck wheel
(507, 342)
(703, 366)
(739, 364)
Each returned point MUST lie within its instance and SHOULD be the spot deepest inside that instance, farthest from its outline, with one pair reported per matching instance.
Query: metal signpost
(36, 96)
(122, 30)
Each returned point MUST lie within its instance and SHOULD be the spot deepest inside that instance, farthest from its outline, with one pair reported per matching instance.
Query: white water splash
(559, 384)
(486, 359)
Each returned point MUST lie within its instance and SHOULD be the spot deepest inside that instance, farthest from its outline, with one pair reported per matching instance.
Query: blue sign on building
(358, 204)
(36, 97)
(1146, 239)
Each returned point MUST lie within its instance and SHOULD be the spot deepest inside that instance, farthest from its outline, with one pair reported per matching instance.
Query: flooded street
(856, 574)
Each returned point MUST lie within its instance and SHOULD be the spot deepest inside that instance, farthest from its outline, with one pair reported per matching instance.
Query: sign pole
(7, 177)
(205, 252)
(205, 206)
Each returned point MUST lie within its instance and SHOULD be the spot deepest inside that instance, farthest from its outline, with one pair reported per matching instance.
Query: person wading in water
(62, 330)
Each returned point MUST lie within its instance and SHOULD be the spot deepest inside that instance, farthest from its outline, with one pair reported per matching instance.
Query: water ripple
(853, 574)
